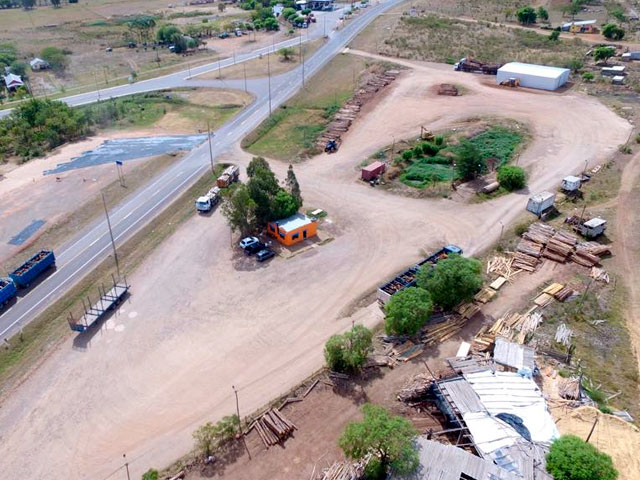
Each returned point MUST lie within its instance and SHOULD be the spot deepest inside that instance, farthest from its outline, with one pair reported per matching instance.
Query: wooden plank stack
(273, 427)
(539, 233)
(344, 470)
(443, 331)
(349, 111)
(502, 266)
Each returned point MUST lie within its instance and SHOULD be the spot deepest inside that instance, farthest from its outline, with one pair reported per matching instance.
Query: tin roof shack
(533, 76)
(513, 356)
(571, 184)
(581, 26)
(629, 56)
(593, 228)
(373, 170)
(615, 71)
(294, 229)
(540, 203)
(617, 80)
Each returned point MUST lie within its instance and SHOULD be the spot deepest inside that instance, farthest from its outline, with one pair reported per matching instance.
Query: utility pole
(244, 69)
(302, 60)
(113, 243)
(269, 76)
(95, 77)
(126, 465)
(219, 71)
(210, 148)
(189, 67)
(593, 427)
(244, 440)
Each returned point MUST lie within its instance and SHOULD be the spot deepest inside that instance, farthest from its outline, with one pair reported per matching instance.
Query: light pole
(269, 76)
(244, 440)
(244, 69)
(113, 243)
(126, 465)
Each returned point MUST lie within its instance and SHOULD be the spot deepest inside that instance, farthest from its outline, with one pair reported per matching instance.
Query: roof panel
(517, 68)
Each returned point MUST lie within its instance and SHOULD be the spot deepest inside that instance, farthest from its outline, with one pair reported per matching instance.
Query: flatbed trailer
(94, 312)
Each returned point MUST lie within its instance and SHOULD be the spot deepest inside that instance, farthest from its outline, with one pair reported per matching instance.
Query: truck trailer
(29, 270)
(409, 277)
(476, 66)
(229, 176)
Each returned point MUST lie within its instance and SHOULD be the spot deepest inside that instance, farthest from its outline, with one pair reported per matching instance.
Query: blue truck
(29, 270)
(409, 277)
(7, 290)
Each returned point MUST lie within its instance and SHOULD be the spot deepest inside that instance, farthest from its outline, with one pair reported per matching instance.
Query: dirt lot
(194, 325)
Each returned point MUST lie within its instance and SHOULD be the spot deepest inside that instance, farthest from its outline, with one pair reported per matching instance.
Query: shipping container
(373, 170)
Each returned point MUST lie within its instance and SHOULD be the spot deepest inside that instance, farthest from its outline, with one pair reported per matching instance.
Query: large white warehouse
(534, 76)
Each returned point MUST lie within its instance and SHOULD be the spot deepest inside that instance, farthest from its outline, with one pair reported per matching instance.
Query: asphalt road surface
(83, 253)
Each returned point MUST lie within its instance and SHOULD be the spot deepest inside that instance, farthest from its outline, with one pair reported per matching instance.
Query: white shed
(541, 202)
(570, 183)
(534, 76)
(616, 70)
(593, 228)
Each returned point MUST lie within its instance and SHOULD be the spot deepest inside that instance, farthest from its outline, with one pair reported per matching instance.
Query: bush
(56, 57)
(438, 140)
(151, 474)
(588, 77)
(570, 458)
(429, 149)
(526, 15)
(208, 437)
(469, 163)
(613, 31)
(451, 281)
(554, 36)
(348, 352)
(512, 178)
(407, 155)
(407, 311)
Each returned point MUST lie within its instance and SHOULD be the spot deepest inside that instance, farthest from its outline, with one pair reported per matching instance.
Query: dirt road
(195, 325)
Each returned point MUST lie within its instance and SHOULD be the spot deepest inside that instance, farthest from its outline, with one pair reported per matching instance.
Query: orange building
(294, 229)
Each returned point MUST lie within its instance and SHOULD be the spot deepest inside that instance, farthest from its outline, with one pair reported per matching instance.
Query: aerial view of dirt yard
(321, 240)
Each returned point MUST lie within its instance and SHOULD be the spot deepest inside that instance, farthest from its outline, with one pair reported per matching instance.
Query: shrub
(151, 474)
(554, 36)
(570, 458)
(56, 58)
(613, 31)
(407, 155)
(512, 178)
(588, 77)
(348, 352)
(407, 311)
(452, 280)
(438, 140)
(526, 15)
(429, 149)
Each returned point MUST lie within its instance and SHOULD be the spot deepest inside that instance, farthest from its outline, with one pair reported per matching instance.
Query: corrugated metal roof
(580, 22)
(517, 68)
(293, 222)
(594, 222)
(373, 166)
(571, 179)
(513, 354)
(461, 395)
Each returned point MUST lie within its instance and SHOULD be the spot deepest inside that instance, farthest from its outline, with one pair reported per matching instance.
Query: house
(13, 82)
(529, 75)
(39, 64)
(294, 229)
(370, 172)
(583, 26)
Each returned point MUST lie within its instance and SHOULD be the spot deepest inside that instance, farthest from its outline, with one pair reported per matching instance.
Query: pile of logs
(560, 246)
(583, 257)
(348, 113)
(595, 248)
(530, 248)
(448, 89)
(415, 389)
(273, 427)
(539, 233)
(345, 470)
(522, 261)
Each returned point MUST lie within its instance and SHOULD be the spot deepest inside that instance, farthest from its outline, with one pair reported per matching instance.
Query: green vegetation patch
(424, 172)
(497, 142)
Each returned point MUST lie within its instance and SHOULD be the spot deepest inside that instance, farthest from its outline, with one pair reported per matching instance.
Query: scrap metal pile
(349, 111)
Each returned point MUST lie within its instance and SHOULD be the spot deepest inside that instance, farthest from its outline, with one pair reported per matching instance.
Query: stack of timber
(560, 246)
(345, 470)
(273, 427)
(530, 248)
(468, 310)
(443, 331)
(583, 257)
(595, 248)
(513, 327)
(448, 89)
(539, 233)
(502, 266)
(349, 111)
(522, 261)
(416, 389)
(484, 295)
(406, 351)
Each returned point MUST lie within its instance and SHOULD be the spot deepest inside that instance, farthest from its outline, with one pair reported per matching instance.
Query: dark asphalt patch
(123, 149)
(24, 235)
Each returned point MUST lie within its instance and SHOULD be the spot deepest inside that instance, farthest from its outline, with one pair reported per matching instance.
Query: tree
(240, 209)
(526, 15)
(452, 280)
(543, 14)
(575, 64)
(263, 186)
(287, 12)
(286, 53)
(142, 26)
(613, 31)
(469, 162)
(271, 24)
(283, 205)
(55, 3)
(390, 439)
(602, 53)
(570, 458)
(554, 36)
(255, 163)
(19, 68)
(407, 311)
(56, 57)
(294, 186)
(221, 7)
(512, 177)
(205, 438)
(618, 14)
(349, 351)
(166, 33)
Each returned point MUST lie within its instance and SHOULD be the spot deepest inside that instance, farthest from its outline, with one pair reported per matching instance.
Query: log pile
(448, 89)
(522, 261)
(560, 246)
(595, 248)
(415, 389)
(273, 427)
(582, 257)
(344, 470)
(349, 111)
(513, 327)
(530, 248)
(539, 233)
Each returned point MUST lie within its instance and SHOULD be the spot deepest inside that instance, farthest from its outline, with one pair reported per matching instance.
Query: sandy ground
(195, 325)
(27, 195)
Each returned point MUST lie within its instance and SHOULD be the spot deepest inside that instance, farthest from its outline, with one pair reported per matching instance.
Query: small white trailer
(541, 202)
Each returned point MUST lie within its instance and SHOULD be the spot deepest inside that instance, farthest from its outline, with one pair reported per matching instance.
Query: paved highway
(80, 255)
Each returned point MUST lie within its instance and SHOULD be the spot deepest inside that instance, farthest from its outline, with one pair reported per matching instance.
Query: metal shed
(593, 228)
(513, 355)
(373, 170)
(533, 76)
(570, 183)
(541, 202)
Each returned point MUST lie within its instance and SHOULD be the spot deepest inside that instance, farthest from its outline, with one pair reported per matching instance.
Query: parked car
(247, 241)
(223, 35)
(265, 254)
(254, 248)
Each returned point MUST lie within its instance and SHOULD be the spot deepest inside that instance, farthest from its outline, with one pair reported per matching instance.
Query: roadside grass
(49, 330)
(54, 236)
(291, 132)
(445, 40)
